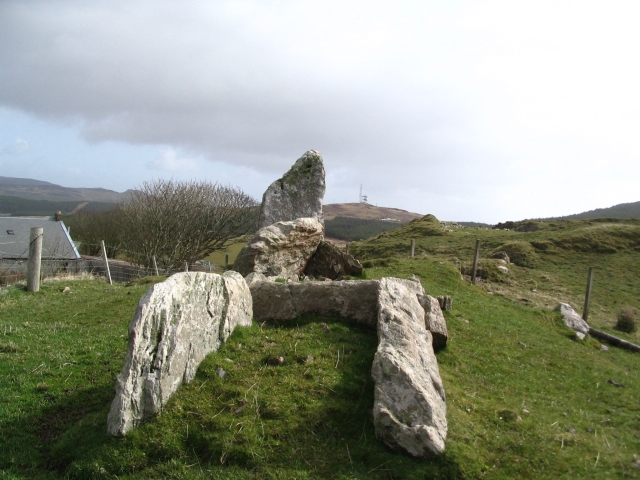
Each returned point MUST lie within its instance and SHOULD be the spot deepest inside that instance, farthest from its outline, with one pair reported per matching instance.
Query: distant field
(232, 250)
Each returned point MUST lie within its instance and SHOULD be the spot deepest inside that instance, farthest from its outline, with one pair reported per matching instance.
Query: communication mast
(363, 198)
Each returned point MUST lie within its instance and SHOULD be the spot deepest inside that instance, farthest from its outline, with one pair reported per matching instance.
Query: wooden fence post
(226, 260)
(413, 247)
(587, 297)
(155, 266)
(35, 259)
(186, 266)
(476, 257)
(106, 262)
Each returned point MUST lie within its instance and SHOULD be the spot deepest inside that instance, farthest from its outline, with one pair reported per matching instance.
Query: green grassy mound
(524, 398)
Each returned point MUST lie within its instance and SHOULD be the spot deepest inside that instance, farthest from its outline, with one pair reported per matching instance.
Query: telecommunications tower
(363, 198)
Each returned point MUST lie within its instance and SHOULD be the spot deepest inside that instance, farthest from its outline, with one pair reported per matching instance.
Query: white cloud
(170, 161)
(18, 146)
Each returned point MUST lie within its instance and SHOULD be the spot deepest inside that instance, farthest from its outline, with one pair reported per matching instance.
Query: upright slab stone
(298, 194)
(434, 321)
(282, 249)
(177, 323)
(409, 411)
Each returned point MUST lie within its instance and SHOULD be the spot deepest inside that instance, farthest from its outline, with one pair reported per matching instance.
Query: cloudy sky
(470, 110)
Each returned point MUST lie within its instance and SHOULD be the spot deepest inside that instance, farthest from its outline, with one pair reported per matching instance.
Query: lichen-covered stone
(409, 411)
(349, 299)
(177, 323)
(573, 320)
(298, 194)
(331, 262)
(282, 249)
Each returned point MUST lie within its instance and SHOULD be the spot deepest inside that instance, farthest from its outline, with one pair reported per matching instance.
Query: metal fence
(15, 270)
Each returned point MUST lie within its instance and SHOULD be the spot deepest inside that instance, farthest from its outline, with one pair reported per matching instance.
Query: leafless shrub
(91, 227)
(626, 320)
(178, 221)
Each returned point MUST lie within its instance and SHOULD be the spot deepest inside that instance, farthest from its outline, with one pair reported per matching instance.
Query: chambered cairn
(179, 321)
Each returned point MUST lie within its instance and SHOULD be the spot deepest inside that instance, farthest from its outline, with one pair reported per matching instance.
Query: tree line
(173, 221)
(354, 229)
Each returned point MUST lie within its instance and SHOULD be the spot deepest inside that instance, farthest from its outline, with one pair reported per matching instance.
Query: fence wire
(15, 270)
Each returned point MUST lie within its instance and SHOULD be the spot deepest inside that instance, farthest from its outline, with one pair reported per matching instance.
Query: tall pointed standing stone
(298, 194)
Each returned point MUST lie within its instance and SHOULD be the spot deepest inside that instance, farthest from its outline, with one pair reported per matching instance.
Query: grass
(550, 264)
(232, 250)
(525, 399)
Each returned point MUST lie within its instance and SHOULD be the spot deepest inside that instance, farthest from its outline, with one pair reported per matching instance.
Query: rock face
(282, 249)
(177, 323)
(331, 262)
(298, 194)
(409, 411)
(573, 320)
(348, 299)
(434, 321)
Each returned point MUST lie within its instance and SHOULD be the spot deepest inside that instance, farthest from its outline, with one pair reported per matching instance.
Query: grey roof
(15, 233)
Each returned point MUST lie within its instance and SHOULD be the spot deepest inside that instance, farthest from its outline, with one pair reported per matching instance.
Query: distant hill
(356, 221)
(367, 212)
(623, 210)
(24, 207)
(39, 190)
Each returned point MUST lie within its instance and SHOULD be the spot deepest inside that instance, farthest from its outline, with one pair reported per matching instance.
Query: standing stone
(409, 411)
(282, 249)
(573, 320)
(434, 321)
(298, 194)
(331, 262)
(177, 323)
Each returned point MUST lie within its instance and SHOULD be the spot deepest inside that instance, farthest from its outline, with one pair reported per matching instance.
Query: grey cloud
(139, 77)
(419, 102)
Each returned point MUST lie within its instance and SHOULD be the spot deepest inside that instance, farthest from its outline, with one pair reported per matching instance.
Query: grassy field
(525, 399)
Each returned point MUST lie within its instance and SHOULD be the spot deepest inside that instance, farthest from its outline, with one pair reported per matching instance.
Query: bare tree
(91, 227)
(178, 221)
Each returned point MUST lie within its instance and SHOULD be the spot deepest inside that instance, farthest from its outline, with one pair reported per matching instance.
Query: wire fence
(14, 270)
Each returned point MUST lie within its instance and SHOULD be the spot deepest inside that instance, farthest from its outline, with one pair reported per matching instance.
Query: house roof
(15, 234)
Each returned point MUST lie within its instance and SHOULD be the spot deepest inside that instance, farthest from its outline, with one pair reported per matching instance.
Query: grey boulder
(298, 194)
(282, 249)
(177, 323)
(331, 262)
(573, 320)
(409, 411)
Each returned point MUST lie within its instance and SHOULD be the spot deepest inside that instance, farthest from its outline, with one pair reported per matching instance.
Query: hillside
(550, 259)
(623, 210)
(23, 207)
(39, 190)
(367, 212)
